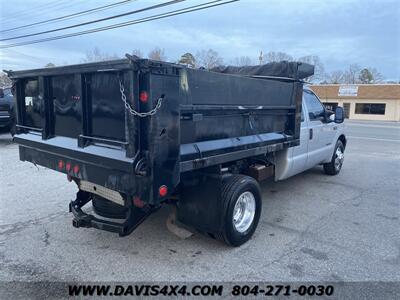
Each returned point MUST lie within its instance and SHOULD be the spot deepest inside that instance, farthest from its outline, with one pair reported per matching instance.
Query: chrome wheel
(244, 211)
(339, 157)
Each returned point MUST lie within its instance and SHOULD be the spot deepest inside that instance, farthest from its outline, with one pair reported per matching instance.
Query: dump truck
(134, 134)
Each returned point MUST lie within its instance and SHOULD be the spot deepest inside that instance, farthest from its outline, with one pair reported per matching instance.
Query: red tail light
(68, 167)
(143, 96)
(76, 169)
(61, 165)
(163, 190)
(138, 202)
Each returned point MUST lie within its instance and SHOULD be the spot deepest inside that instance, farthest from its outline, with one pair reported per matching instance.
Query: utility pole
(260, 58)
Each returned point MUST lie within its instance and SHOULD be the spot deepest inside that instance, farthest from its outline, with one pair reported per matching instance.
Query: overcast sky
(339, 32)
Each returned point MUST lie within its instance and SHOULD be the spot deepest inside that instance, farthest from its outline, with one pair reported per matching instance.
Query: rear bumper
(103, 166)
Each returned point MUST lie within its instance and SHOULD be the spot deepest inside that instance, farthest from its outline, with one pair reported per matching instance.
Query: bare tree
(137, 52)
(273, 56)
(5, 81)
(335, 77)
(157, 54)
(370, 75)
(208, 59)
(96, 55)
(351, 74)
(188, 59)
(319, 69)
(377, 76)
(242, 61)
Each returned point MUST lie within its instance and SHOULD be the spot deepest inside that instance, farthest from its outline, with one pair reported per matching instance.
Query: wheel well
(342, 138)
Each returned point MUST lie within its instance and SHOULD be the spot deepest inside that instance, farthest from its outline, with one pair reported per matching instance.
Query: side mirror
(339, 115)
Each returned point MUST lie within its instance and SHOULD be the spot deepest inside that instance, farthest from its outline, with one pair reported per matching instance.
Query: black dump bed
(174, 119)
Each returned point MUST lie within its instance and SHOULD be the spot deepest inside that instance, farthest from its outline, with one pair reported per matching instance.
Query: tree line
(208, 59)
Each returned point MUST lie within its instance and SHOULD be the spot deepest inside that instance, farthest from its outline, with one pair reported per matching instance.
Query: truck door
(320, 133)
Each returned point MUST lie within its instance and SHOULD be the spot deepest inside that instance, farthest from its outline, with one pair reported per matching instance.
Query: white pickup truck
(322, 141)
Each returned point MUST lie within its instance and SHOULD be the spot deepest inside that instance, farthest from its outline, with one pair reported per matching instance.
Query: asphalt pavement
(313, 227)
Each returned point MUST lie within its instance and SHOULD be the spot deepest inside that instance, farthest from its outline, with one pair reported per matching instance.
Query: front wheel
(241, 196)
(336, 163)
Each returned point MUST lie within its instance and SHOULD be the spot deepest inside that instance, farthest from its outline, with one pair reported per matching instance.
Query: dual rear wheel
(241, 196)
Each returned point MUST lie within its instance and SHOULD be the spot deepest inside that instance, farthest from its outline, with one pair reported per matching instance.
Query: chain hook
(134, 112)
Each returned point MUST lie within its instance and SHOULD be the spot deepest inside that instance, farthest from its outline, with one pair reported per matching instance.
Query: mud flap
(201, 204)
(174, 227)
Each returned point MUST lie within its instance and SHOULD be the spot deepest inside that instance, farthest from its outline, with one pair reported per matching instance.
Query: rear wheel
(336, 163)
(242, 200)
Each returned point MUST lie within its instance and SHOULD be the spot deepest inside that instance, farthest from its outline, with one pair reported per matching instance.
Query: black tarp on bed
(295, 70)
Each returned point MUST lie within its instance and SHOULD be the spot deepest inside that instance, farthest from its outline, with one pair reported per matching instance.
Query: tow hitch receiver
(135, 216)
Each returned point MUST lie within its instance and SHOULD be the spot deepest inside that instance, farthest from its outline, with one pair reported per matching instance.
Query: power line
(44, 5)
(42, 8)
(95, 21)
(70, 16)
(123, 24)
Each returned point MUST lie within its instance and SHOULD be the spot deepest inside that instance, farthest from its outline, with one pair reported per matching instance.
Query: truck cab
(321, 130)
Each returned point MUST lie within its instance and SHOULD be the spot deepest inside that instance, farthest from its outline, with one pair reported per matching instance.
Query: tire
(13, 128)
(108, 209)
(13, 123)
(238, 227)
(336, 163)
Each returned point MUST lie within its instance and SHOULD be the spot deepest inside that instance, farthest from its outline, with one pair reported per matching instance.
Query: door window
(314, 106)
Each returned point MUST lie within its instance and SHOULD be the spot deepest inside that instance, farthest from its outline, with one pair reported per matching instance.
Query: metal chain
(134, 112)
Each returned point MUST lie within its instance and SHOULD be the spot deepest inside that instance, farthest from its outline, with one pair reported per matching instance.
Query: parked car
(134, 134)
(7, 113)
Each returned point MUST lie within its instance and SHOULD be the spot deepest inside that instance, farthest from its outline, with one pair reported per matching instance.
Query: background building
(362, 101)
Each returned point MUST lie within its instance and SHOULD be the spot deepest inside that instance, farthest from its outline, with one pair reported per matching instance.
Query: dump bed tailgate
(73, 119)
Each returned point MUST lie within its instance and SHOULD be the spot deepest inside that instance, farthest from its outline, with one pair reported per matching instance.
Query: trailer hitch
(135, 216)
